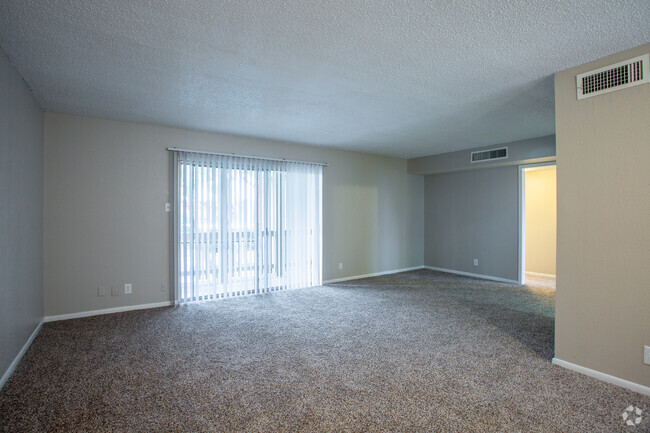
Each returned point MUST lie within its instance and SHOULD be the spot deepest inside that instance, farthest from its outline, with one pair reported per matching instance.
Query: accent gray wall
(532, 150)
(472, 214)
(107, 182)
(21, 214)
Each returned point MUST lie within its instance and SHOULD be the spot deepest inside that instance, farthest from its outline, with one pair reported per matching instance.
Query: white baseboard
(376, 274)
(537, 274)
(469, 274)
(16, 360)
(636, 387)
(106, 311)
(18, 357)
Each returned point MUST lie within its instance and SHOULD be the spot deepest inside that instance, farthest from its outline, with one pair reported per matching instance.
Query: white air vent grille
(489, 155)
(614, 77)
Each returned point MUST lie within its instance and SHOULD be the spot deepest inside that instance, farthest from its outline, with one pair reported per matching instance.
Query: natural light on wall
(245, 225)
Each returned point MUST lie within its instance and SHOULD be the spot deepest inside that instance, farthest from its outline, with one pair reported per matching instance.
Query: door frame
(521, 265)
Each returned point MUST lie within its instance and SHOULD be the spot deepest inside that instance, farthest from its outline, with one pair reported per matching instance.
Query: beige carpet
(413, 352)
(538, 282)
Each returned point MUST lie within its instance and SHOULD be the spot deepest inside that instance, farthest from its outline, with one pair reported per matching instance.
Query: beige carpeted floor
(412, 352)
(538, 282)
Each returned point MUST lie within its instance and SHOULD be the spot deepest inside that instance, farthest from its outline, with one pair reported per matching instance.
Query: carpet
(540, 282)
(410, 352)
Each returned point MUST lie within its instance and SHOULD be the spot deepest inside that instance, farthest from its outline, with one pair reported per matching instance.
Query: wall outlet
(101, 291)
(168, 207)
(340, 266)
(114, 291)
(128, 288)
(475, 262)
(163, 287)
(646, 355)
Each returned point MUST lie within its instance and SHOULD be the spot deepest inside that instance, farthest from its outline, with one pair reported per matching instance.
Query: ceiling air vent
(614, 77)
(489, 155)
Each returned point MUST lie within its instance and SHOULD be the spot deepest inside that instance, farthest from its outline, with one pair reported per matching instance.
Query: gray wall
(532, 150)
(106, 184)
(473, 214)
(21, 214)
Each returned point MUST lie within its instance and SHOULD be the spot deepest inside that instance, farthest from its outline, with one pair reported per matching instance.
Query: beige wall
(603, 209)
(21, 214)
(107, 182)
(540, 210)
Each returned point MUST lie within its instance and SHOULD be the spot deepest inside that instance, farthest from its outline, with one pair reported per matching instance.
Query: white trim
(375, 274)
(14, 364)
(469, 274)
(537, 274)
(636, 387)
(521, 241)
(106, 311)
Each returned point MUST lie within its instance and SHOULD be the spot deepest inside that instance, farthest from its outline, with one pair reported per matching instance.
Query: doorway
(538, 225)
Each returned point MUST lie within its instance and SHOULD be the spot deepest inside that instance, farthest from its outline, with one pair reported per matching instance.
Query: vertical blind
(245, 225)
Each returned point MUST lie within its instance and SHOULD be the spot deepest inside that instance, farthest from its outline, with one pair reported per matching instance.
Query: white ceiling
(403, 78)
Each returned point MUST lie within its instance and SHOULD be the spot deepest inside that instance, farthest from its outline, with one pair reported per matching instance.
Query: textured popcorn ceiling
(404, 78)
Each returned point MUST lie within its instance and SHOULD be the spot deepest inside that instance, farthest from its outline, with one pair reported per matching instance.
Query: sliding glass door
(245, 225)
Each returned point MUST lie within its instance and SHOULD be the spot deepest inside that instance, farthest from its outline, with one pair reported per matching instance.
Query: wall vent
(489, 155)
(614, 77)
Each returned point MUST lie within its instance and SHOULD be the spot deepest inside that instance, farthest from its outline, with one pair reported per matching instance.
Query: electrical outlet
(646, 355)
(163, 287)
(168, 207)
(114, 291)
(101, 291)
(128, 288)
(340, 266)
(475, 262)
